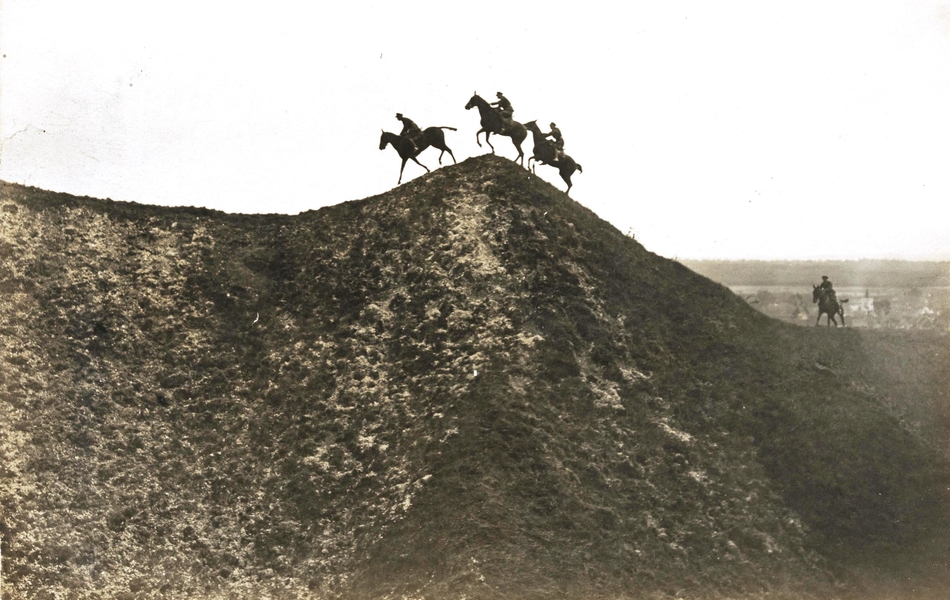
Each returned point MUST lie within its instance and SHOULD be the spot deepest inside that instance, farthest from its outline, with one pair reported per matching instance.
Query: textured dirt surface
(468, 387)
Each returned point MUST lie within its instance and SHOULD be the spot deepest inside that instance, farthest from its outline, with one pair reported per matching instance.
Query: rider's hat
(499, 94)
(398, 115)
(824, 277)
(552, 124)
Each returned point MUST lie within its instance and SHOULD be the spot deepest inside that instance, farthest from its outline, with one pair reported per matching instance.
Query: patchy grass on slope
(468, 386)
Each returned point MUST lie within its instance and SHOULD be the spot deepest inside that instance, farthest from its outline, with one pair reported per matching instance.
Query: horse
(492, 122)
(546, 153)
(827, 305)
(431, 136)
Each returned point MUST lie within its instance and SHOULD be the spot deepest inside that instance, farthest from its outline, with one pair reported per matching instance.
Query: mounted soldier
(492, 121)
(411, 142)
(504, 108)
(411, 132)
(555, 135)
(827, 289)
(548, 152)
(827, 300)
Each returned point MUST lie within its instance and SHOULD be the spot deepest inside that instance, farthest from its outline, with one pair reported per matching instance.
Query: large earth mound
(468, 387)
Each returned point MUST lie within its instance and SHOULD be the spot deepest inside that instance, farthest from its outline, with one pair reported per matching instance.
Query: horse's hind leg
(439, 142)
(567, 179)
(445, 149)
(520, 158)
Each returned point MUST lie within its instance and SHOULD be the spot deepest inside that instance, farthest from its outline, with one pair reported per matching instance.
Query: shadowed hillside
(469, 386)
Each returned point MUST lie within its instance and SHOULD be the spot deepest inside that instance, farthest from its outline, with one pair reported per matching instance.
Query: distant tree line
(844, 273)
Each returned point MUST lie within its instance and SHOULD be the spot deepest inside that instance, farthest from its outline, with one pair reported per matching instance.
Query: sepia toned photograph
(442, 301)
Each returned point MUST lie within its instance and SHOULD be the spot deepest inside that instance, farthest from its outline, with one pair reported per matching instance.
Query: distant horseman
(827, 289)
(827, 300)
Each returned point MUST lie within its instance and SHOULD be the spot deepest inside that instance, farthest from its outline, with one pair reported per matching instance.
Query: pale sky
(757, 130)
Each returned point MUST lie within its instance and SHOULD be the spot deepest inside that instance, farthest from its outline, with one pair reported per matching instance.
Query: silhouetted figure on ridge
(504, 106)
(546, 153)
(410, 131)
(555, 135)
(412, 141)
(493, 121)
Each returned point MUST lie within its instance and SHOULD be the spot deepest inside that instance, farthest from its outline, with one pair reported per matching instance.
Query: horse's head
(473, 101)
(383, 141)
(532, 126)
(815, 293)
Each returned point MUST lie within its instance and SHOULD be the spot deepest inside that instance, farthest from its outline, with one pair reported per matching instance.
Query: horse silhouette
(827, 305)
(545, 152)
(431, 136)
(492, 122)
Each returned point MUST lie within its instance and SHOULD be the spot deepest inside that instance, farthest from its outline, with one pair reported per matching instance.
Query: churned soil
(467, 387)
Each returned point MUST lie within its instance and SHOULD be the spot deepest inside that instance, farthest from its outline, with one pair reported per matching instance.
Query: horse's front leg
(401, 169)
(818, 322)
(478, 133)
(421, 165)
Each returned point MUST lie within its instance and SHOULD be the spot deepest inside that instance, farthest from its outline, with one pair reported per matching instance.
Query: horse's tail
(446, 127)
(579, 167)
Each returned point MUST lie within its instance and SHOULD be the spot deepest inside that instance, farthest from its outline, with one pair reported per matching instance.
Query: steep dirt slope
(467, 387)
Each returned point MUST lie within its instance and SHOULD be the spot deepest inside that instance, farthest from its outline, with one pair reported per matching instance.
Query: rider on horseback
(827, 289)
(504, 109)
(504, 106)
(555, 133)
(410, 131)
